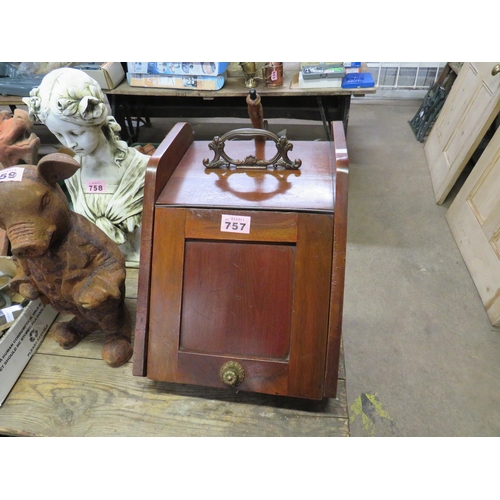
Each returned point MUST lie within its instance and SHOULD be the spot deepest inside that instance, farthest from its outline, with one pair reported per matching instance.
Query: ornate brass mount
(280, 159)
(232, 373)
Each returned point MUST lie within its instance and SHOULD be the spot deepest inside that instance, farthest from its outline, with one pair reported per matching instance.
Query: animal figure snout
(25, 241)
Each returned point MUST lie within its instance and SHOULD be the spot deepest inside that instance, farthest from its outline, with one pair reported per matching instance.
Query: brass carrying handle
(495, 70)
(280, 159)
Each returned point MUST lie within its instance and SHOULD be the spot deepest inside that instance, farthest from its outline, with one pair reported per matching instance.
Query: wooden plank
(131, 283)
(166, 294)
(11, 100)
(64, 396)
(338, 259)
(311, 305)
(160, 168)
(266, 226)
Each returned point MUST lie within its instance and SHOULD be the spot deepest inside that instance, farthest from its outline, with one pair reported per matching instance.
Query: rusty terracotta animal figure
(16, 141)
(63, 258)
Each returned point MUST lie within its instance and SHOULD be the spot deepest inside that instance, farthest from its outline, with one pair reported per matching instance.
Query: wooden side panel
(341, 183)
(237, 298)
(310, 306)
(166, 294)
(160, 168)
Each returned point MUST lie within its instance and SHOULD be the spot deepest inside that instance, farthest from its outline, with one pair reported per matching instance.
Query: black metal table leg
(345, 105)
(326, 122)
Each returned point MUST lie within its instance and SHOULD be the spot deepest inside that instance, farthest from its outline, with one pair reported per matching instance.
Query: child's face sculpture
(80, 139)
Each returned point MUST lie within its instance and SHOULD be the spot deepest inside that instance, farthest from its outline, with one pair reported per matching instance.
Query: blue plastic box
(357, 81)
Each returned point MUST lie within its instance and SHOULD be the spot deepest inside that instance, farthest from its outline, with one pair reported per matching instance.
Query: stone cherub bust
(108, 189)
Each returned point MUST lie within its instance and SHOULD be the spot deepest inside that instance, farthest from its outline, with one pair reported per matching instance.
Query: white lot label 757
(235, 224)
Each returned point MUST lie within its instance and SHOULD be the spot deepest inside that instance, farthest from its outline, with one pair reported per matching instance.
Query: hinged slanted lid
(308, 188)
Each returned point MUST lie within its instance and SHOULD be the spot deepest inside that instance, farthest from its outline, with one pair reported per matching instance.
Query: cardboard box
(20, 342)
(178, 68)
(108, 75)
(194, 82)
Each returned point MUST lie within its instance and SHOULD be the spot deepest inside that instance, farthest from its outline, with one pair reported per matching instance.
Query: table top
(235, 87)
(8, 100)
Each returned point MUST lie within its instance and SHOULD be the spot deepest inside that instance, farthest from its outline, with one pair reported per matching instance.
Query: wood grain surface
(74, 393)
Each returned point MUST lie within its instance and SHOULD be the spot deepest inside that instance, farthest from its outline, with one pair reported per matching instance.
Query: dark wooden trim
(160, 168)
(339, 255)
(166, 294)
(310, 308)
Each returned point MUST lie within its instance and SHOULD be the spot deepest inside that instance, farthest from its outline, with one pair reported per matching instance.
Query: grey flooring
(422, 358)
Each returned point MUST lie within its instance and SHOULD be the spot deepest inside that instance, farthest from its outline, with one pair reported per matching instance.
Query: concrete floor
(422, 358)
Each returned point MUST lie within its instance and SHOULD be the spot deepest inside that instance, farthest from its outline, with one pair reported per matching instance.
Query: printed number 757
(235, 226)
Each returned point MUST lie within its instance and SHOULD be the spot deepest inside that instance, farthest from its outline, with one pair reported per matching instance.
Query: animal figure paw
(99, 293)
(67, 336)
(117, 350)
(27, 290)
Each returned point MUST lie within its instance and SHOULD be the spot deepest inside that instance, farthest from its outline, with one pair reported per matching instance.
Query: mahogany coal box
(241, 278)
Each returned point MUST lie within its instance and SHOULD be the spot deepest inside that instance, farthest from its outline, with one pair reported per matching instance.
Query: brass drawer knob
(232, 373)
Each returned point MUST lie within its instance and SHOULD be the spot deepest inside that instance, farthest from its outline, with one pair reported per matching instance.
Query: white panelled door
(470, 108)
(474, 220)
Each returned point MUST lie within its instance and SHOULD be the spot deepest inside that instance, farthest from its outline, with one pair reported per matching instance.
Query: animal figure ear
(57, 166)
